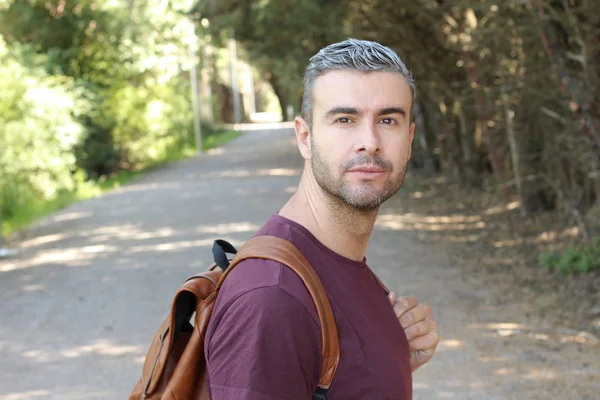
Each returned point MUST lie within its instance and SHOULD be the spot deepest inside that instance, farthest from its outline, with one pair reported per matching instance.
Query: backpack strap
(284, 252)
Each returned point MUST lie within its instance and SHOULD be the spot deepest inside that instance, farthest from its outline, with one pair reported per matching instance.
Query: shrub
(38, 126)
(573, 259)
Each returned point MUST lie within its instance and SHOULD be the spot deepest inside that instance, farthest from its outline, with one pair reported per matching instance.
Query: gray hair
(352, 55)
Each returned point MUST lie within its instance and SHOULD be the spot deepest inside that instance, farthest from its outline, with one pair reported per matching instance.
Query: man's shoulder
(261, 275)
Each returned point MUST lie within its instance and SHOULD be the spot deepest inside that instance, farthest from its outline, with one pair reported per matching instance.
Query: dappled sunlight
(245, 173)
(551, 236)
(538, 336)
(215, 152)
(234, 173)
(32, 394)
(97, 245)
(437, 219)
(41, 356)
(503, 325)
(71, 216)
(442, 394)
(127, 232)
(99, 238)
(40, 240)
(539, 374)
(502, 208)
(111, 230)
(263, 126)
(486, 260)
(223, 229)
(33, 288)
(501, 329)
(138, 187)
(278, 172)
(555, 334)
(506, 371)
(544, 237)
(169, 247)
(510, 352)
(507, 243)
(67, 256)
(160, 233)
(581, 338)
(100, 347)
(66, 393)
(450, 344)
(412, 221)
(456, 238)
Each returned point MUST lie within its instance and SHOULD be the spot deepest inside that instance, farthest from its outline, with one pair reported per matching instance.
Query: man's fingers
(403, 304)
(426, 344)
(415, 314)
(420, 328)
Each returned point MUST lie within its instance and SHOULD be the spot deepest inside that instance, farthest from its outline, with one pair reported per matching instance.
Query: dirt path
(91, 284)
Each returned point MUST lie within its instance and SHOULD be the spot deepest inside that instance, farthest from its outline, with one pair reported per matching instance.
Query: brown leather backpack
(175, 367)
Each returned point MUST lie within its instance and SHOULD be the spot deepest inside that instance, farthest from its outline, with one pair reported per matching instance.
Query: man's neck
(337, 225)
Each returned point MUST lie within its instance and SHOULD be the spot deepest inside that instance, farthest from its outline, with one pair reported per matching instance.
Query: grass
(31, 211)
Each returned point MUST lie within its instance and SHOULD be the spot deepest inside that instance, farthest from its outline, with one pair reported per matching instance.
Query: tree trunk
(281, 96)
(429, 161)
(494, 152)
(472, 171)
(514, 151)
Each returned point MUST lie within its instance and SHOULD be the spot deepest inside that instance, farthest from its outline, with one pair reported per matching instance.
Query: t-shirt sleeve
(267, 345)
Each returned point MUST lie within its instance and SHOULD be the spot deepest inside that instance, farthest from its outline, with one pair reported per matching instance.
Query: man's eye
(388, 121)
(343, 120)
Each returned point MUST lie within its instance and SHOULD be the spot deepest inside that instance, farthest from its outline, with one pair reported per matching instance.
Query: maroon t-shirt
(264, 339)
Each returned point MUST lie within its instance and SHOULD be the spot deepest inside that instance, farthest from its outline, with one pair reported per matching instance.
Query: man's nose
(369, 140)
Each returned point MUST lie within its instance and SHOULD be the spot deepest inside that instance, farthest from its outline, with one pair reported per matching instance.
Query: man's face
(361, 136)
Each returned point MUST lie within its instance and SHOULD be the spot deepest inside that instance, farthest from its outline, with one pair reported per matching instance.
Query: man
(264, 339)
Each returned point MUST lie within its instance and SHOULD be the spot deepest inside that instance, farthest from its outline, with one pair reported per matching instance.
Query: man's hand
(419, 326)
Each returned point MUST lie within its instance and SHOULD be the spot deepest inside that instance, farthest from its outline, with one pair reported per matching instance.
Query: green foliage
(38, 125)
(92, 93)
(21, 208)
(97, 154)
(573, 260)
(149, 120)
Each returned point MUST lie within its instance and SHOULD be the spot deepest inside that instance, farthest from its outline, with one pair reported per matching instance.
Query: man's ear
(411, 136)
(303, 137)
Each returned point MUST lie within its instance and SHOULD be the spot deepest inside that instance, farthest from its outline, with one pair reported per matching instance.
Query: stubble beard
(364, 197)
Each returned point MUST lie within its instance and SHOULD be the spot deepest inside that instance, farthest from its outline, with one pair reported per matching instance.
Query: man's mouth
(367, 171)
(367, 168)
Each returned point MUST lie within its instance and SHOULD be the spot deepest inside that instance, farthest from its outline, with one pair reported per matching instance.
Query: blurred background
(94, 92)
(507, 90)
(504, 178)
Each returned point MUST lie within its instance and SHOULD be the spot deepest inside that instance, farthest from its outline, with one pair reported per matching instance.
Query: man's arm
(266, 345)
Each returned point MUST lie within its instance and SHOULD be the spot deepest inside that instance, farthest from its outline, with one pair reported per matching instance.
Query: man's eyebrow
(354, 111)
(392, 110)
(341, 110)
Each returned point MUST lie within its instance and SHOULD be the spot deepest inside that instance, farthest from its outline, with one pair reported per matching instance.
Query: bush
(573, 260)
(38, 127)
(149, 120)
(132, 127)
